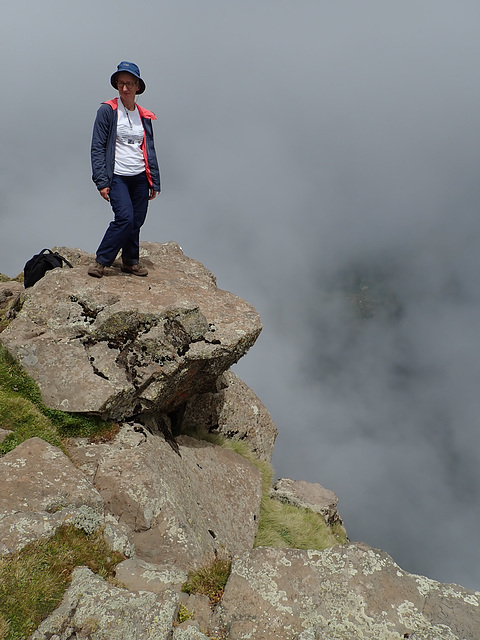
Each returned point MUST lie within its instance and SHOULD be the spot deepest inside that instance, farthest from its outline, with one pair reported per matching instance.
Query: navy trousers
(129, 200)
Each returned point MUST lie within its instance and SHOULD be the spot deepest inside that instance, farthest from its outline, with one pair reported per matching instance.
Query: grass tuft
(281, 525)
(4, 627)
(183, 614)
(41, 572)
(209, 580)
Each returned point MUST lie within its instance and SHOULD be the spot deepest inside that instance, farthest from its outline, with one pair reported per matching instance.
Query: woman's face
(127, 85)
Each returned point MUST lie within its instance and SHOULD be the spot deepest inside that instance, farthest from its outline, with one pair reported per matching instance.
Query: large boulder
(124, 345)
(341, 593)
(182, 508)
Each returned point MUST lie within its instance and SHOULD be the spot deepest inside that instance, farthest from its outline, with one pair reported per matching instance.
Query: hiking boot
(96, 270)
(136, 269)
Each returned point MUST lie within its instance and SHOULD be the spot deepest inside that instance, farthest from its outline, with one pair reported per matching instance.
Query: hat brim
(113, 81)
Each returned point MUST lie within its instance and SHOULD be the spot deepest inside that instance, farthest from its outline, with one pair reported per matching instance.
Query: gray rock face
(189, 632)
(346, 593)
(10, 292)
(182, 509)
(234, 411)
(122, 345)
(198, 607)
(92, 608)
(138, 575)
(42, 489)
(38, 477)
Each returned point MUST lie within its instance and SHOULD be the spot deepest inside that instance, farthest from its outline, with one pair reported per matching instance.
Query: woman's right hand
(104, 193)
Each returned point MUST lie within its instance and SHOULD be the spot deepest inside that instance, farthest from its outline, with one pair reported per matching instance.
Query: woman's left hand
(153, 194)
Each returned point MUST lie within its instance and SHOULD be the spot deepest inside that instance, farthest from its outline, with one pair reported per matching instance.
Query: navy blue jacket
(103, 145)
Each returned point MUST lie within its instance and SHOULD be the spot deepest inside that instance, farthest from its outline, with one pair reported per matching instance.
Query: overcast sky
(299, 142)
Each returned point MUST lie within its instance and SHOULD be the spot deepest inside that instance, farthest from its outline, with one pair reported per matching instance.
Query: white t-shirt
(129, 160)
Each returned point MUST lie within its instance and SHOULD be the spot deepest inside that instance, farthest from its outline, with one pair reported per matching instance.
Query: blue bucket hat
(132, 68)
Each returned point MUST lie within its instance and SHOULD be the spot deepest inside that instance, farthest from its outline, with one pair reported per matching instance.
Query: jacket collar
(144, 113)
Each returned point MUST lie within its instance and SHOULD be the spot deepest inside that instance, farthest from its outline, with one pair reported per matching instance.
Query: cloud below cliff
(299, 143)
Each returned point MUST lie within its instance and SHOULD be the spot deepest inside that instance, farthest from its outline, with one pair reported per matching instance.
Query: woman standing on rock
(125, 169)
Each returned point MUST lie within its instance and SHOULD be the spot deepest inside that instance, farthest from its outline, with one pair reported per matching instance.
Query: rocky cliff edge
(154, 355)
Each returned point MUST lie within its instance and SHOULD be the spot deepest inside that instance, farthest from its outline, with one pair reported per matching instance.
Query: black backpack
(37, 266)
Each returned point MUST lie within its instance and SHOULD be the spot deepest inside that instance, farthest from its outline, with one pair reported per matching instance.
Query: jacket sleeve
(101, 146)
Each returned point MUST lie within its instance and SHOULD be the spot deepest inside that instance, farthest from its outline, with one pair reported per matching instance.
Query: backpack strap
(55, 253)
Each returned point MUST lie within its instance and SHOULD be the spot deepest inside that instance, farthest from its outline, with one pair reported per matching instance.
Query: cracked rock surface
(182, 509)
(122, 345)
